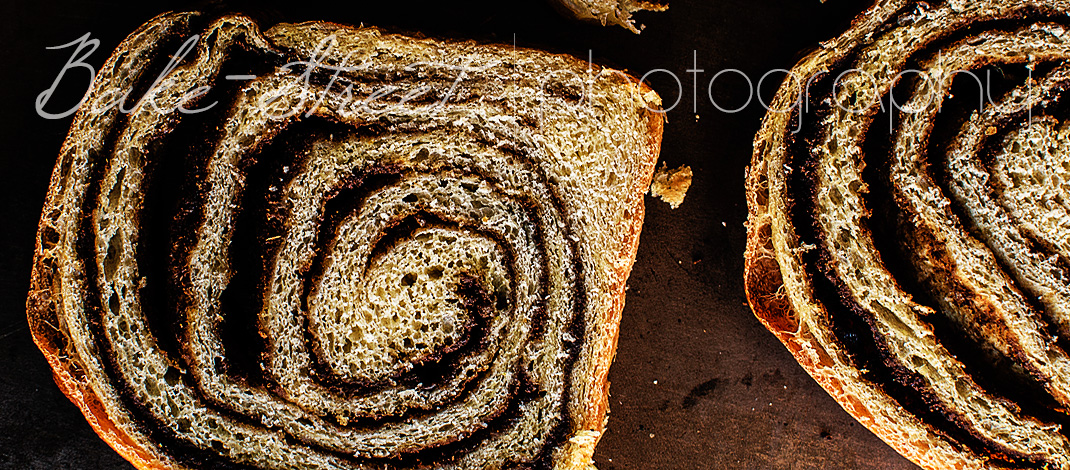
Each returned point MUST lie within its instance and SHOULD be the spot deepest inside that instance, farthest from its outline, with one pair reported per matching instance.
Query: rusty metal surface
(697, 384)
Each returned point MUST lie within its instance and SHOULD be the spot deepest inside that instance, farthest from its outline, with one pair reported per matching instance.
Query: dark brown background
(697, 384)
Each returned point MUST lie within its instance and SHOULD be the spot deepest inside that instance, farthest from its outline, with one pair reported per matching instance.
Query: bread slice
(328, 247)
(927, 332)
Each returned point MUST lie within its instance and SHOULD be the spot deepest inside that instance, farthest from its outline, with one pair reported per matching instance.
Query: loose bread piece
(608, 12)
(908, 289)
(671, 185)
(361, 250)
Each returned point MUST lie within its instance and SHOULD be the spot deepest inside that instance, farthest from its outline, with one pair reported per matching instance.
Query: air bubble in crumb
(671, 185)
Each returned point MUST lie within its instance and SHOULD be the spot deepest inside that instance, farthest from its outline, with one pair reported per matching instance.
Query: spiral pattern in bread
(908, 227)
(329, 247)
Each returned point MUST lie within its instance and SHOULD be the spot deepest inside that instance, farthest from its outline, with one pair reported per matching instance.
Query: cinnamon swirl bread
(319, 246)
(908, 227)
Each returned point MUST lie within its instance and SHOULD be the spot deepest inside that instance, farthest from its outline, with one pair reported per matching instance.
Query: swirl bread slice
(328, 247)
(882, 249)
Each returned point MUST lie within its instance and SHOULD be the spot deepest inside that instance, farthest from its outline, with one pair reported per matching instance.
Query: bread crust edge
(41, 315)
(41, 308)
(597, 415)
(766, 296)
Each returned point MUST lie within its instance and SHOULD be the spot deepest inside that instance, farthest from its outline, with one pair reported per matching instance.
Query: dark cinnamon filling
(1007, 377)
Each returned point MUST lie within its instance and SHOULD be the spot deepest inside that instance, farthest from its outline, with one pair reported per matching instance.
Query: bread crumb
(580, 450)
(671, 185)
(609, 11)
(652, 98)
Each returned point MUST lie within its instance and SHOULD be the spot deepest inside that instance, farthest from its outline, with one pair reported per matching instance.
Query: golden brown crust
(593, 425)
(768, 300)
(41, 303)
(42, 319)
